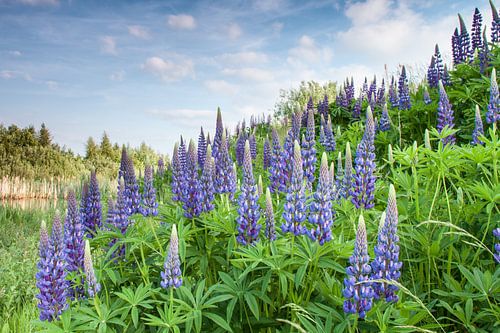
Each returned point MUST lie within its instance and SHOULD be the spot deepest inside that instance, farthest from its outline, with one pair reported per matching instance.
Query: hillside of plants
(351, 210)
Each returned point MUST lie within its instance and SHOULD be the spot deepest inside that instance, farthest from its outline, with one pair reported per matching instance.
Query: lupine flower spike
(149, 205)
(192, 197)
(493, 113)
(93, 287)
(477, 21)
(202, 149)
(73, 240)
(225, 177)
(309, 150)
(427, 97)
(358, 293)
(172, 275)
(386, 264)
(404, 91)
(347, 179)
(248, 210)
(495, 24)
(93, 212)
(320, 211)
(385, 121)
(445, 115)
(496, 233)
(363, 190)
(478, 129)
(207, 182)
(177, 175)
(270, 224)
(294, 212)
(51, 276)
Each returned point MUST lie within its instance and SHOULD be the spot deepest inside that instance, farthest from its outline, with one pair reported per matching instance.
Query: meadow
(376, 212)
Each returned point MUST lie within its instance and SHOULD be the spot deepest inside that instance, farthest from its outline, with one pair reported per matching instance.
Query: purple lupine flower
(404, 91)
(207, 182)
(123, 163)
(286, 156)
(93, 287)
(329, 143)
(386, 264)
(347, 179)
(427, 97)
(177, 175)
(445, 115)
(372, 91)
(296, 125)
(337, 194)
(478, 129)
(248, 210)
(209, 142)
(225, 178)
(364, 89)
(350, 91)
(381, 93)
(358, 293)
(219, 129)
(320, 210)
(172, 275)
(309, 150)
(465, 48)
(192, 197)
(493, 113)
(363, 190)
(385, 120)
(121, 217)
(495, 24)
(432, 74)
(149, 205)
(73, 235)
(309, 108)
(372, 101)
(439, 63)
(276, 167)
(110, 215)
(202, 149)
(160, 171)
(322, 132)
(326, 105)
(270, 224)
(93, 214)
(393, 94)
(266, 159)
(356, 112)
(476, 39)
(240, 147)
(496, 233)
(456, 48)
(484, 54)
(132, 188)
(51, 275)
(294, 212)
(83, 202)
(253, 146)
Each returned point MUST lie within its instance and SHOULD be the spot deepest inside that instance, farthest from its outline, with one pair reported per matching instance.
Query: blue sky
(152, 70)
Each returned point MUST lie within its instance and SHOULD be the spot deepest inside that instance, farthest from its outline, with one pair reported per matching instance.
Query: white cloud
(117, 76)
(190, 118)
(169, 70)
(10, 74)
(52, 85)
(221, 87)
(277, 27)
(308, 52)
(234, 31)
(108, 45)
(139, 31)
(249, 73)
(385, 31)
(15, 53)
(269, 5)
(239, 58)
(182, 21)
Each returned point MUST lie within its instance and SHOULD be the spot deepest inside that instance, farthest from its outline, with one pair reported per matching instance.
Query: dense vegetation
(197, 263)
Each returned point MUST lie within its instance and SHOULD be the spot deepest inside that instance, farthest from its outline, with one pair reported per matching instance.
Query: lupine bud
(149, 205)
(294, 212)
(427, 140)
(270, 224)
(177, 175)
(248, 210)
(390, 157)
(207, 182)
(171, 276)
(358, 293)
(93, 287)
(192, 197)
(51, 275)
(445, 115)
(338, 194)
(386, 264)
(202, 149)
(478, 129)
(385, 121)
(347, 178)
(404, 91)
(493, 113)
(320, 210)
(427, 97)
(260, 189)
(363, 189)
